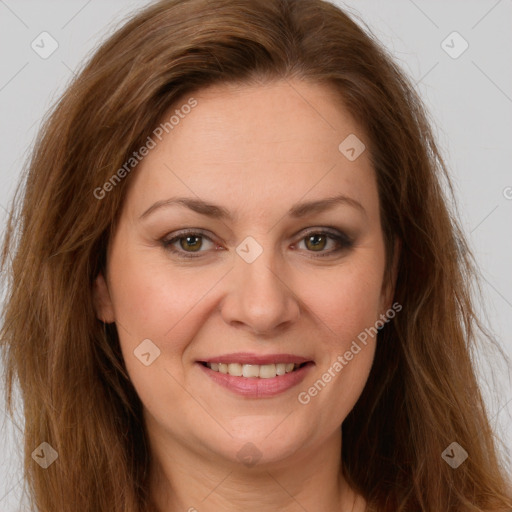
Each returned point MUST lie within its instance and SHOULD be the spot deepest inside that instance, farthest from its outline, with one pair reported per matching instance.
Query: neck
(183, 479)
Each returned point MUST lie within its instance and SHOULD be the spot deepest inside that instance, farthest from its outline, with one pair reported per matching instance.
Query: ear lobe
(102, 301)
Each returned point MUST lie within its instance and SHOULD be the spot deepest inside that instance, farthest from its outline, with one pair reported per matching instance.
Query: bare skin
(256, 151)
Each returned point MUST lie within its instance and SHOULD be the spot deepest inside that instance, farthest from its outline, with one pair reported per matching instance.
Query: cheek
(166, 305)
(347, 303)
(346, 300)
(157, 300)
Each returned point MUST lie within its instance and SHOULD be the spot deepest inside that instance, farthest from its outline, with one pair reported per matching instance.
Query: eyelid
(168, 241)
(328, 230)
(344, 241)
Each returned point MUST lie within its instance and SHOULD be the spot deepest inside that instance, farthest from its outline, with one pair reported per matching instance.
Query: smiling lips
(265, 371)
(257, 376)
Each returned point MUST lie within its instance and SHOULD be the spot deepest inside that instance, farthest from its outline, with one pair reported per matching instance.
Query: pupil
(316, 237)
(189, 245)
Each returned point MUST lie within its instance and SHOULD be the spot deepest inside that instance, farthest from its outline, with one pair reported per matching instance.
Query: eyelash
(344, 242)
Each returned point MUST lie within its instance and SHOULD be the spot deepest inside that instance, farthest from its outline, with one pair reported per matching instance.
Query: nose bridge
(260, 275)
(260, 299)
(257, 269)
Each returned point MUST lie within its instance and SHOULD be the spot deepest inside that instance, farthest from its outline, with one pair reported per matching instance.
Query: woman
(235, 282)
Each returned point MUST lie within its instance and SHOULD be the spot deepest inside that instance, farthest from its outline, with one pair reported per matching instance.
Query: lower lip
(254, 387)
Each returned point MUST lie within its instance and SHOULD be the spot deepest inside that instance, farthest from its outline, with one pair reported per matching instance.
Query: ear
(388, 289)
(102, 301)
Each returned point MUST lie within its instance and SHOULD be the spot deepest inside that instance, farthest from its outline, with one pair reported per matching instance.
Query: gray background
(469, 98)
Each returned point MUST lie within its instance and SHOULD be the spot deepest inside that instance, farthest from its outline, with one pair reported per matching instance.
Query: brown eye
(187, 244)
(191, 242)
(316, 242)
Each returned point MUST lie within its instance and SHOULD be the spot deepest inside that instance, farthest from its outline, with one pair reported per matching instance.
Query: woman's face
(277, 274)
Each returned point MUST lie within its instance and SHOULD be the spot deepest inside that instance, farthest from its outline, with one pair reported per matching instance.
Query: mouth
(257, 376)
(251, 371)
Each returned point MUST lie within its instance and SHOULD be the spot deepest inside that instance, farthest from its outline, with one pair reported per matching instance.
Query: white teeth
(280, 368)
(250, 370)
(235, 369)
(267, 371)
(264, 371)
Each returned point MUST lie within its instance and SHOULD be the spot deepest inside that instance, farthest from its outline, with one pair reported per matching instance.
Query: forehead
(254, 146)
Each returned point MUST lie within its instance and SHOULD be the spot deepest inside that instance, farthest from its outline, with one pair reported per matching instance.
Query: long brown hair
(422, 393)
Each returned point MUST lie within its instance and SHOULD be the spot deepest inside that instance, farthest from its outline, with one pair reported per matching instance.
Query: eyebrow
(298, 210)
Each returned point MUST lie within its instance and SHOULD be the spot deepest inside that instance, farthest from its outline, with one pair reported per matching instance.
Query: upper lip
(259, 359)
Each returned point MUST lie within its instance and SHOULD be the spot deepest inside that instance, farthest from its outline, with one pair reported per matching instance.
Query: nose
(260, 300)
